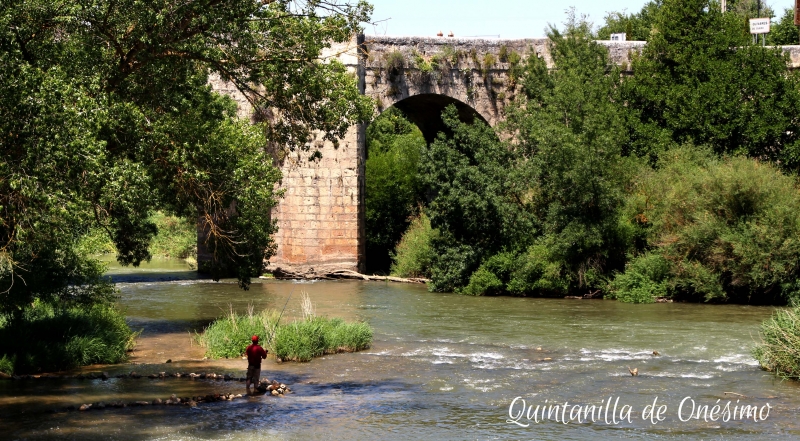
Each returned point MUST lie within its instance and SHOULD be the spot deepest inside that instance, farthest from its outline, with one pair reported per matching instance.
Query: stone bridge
(321, 217)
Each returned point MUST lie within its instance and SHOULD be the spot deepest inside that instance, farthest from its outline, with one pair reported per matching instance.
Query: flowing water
(442, 367)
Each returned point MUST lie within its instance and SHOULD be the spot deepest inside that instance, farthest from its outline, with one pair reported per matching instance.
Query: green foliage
(645, 278)
(779, 349)
(572, 129)
(488, 62)
(637, 26)
(515, 68)
(784, 31)
(450, 55)
(395, 62)
(393, 187)
(303, 340)
(728, 227)
(7, 364)
(300, 340)
(176, 237)
(479, 202)
(106, 115)
(492, 276)
(229, 336)
(700, 80)
(502, 54)
(48, 337)
(414, 254)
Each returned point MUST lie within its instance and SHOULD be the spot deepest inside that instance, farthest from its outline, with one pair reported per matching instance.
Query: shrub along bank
(300, 340)
(49, 337)
(612, 185)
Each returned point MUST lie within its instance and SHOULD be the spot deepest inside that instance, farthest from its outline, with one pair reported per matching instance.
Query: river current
(442, 367)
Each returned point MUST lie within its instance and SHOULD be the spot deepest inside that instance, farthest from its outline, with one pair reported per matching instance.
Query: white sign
(618, 37)
(759, 25)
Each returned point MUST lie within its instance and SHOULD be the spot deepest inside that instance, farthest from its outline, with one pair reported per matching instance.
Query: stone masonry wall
(320, 217)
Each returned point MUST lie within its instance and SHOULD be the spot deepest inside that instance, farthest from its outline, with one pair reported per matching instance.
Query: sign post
(759, 26)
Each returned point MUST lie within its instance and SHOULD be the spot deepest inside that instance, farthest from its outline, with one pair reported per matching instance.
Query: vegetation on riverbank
(393, 186)
(51, 337)
(779, 349)
(175, 237)
(678, 181)
(299, 340)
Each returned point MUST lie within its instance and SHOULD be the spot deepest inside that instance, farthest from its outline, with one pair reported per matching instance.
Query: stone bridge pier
(321, 216)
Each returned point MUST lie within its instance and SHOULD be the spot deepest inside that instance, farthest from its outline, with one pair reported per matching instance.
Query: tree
(393, 188)
(637, 26)
(106, 115)
(573, 132)
(700, 80)
(479, 200)
(784, 31)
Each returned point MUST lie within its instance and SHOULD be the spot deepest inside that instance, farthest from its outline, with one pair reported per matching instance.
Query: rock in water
(85, 407)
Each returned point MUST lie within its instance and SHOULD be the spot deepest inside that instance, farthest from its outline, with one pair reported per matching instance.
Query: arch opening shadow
(425, 111)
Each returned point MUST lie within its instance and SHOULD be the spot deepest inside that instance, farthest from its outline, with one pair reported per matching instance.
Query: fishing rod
(281, 314)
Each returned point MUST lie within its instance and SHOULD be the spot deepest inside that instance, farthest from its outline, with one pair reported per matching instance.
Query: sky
(490, 18)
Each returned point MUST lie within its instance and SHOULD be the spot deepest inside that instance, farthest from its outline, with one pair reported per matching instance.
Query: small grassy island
(300, 340)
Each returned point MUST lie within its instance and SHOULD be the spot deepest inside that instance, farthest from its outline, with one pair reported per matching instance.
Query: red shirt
(254, 354)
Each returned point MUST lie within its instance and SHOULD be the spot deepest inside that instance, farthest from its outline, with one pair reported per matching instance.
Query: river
(442, 367)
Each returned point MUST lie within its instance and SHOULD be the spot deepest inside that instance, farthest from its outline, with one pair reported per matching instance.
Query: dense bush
(779, 349)
(727, 227)
(701, 80)
(50, 337)
(539, 215)
(414, 255)
(301, 340)
(645, 278)
(479, 203)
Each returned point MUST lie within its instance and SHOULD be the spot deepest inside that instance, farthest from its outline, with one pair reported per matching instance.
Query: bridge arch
(425, 111)
(322, 214)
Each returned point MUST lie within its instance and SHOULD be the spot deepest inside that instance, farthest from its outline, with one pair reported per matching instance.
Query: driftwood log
(280, 273)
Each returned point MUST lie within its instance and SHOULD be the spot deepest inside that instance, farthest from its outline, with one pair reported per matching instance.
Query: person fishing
(255, 354)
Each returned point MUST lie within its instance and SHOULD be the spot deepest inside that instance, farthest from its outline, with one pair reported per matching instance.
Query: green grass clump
(303, 340)
(779, 350)
(300, 340)
(48, 338)
(229, 336)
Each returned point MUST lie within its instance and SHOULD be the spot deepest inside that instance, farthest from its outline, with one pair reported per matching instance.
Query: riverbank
(442, 366)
